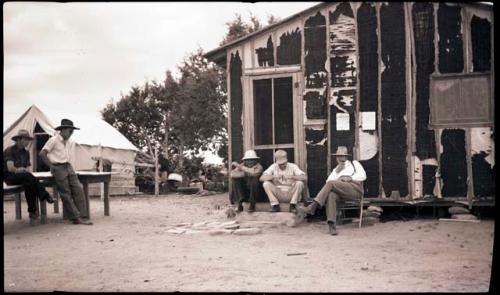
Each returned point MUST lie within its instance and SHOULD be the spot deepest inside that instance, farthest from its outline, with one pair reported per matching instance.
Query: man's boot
(311, 208)
(82, 221)
(240, 206)
(332, 229)
(251, 208)
(33, 217)
(46, 196)
(275, 208)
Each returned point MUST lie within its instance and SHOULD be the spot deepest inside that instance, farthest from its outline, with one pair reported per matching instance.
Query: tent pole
(100, 170)
(156, 173)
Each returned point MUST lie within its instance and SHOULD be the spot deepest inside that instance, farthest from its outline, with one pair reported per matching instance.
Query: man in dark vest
(16, 163)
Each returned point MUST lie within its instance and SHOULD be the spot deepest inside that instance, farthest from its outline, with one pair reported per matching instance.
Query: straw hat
(66, 123)
(280, 157)
(341, 151)
(250, 155)
(22, 133)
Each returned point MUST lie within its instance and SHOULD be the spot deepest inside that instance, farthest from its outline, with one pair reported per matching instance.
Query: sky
(76, 57)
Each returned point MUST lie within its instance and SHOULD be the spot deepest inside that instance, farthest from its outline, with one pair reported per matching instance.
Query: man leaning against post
(245, 184)
(283, 182)
(16, 163)
(56, 154)
(345, 183)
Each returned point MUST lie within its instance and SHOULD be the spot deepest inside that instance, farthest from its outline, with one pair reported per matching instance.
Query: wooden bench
(16, 190)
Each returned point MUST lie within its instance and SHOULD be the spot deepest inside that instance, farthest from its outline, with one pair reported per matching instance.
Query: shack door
(273, 120)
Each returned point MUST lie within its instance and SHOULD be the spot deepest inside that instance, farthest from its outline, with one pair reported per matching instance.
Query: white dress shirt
(352, 169)
(58, 149)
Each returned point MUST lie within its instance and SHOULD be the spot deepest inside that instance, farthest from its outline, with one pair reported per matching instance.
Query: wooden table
(85, 178)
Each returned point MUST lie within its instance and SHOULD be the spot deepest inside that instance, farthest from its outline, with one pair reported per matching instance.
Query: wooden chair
(345, 205)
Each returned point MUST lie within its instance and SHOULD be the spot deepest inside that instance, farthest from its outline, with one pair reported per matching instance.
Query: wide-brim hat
(341, 151)
(280, 157)
(250, 155)
(66, 123)
(22, 133)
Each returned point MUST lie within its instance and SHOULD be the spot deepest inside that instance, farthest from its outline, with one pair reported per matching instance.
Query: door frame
(298, 112)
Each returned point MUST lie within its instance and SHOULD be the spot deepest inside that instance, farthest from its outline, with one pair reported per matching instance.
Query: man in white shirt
(56, 154)
(283, 182)
(345, 182)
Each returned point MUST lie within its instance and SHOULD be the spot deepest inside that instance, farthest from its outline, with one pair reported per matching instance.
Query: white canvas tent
(96, 138)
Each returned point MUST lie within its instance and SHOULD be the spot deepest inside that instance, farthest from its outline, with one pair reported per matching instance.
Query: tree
(237, 28)
(178, 116)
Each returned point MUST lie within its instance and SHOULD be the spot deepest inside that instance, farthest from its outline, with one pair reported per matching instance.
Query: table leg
(106, 198)
(17, 197)
(87, 198)
(56, 199)
(43, 209)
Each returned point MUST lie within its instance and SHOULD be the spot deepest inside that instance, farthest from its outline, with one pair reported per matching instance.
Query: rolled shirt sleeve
(360, 174)
(49, 145)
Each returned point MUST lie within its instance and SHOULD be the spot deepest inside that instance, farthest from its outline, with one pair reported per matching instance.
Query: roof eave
(222, 49)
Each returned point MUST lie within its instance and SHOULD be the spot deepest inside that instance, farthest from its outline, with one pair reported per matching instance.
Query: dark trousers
(70, 189)
(245, 189)
(32, 187)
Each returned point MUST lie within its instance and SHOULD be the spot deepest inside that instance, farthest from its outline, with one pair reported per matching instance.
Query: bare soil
(131, 250)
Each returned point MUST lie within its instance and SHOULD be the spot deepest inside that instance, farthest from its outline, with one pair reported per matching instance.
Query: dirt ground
(131, 250)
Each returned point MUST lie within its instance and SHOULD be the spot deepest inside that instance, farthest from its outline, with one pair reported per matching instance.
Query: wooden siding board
(368, 85)
(480, 30)
(288, 51)
(314, 96)
(393, 100)
(236, 106)
(453, 163)
(423, 28)
(451, 47)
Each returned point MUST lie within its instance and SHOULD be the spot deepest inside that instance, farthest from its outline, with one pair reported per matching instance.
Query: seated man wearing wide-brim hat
(16, 163)
(56, 154)
(283, 182)
(245, 180)
(345, 182)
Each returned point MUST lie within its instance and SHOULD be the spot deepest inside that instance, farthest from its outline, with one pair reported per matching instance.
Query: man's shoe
(49, 199)
(240, 207)
(46, 196)
(311, 208)
(82, 221)
(293, 208)
(33, 217)
(275, 208)
(251, 208)
(332, 229)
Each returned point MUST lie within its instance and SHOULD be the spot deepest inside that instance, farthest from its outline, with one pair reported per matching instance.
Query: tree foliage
(177, 116)
(237, 28)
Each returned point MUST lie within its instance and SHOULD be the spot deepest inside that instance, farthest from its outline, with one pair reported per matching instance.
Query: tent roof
(93, 130)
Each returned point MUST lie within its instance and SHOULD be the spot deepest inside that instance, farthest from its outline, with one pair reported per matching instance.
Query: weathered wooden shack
(407, 87)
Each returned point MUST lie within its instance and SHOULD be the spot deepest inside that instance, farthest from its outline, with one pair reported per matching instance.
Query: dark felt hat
(66, 123)
(341, 151)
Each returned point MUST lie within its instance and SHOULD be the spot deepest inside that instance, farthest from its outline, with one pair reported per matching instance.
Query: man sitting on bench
(16, 161)
(283, 182)
(245, 176)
